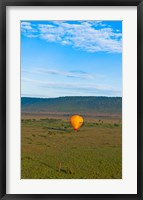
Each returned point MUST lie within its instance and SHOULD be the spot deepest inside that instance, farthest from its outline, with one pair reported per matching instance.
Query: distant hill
(109, 105)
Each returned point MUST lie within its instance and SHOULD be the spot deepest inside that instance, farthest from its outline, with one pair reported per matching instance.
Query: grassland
(52, 150)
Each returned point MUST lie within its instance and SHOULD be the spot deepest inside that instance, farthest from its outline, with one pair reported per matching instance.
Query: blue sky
(71, 58)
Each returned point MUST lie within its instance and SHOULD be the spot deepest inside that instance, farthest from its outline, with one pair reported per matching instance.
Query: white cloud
(29, 29)
(26, 26)
(88, 36)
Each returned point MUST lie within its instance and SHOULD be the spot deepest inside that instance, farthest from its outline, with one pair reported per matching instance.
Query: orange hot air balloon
(76, 122)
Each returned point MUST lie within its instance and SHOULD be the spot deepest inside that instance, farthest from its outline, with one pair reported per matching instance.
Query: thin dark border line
(3, 103)
(3, 5)
(72, 3)
(20, 101)
(139, 98)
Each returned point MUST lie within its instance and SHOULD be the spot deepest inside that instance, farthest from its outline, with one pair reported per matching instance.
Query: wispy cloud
(91, 89)
(90, 36)
(71, 74)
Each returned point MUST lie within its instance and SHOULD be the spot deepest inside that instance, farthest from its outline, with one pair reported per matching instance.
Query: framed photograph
(71, 99)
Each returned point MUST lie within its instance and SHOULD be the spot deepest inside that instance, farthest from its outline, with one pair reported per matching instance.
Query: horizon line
(68, 96)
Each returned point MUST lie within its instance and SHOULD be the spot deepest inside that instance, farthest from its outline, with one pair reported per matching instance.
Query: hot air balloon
(76, 122)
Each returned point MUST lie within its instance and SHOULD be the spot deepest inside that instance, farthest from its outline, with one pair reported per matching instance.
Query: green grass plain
(51, 149)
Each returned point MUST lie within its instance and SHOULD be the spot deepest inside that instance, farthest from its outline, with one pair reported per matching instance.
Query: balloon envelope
(76, 122)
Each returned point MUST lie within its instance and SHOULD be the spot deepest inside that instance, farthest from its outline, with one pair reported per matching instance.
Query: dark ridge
(110, 105)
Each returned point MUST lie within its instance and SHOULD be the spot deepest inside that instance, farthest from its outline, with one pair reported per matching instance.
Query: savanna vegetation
(51, 149)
